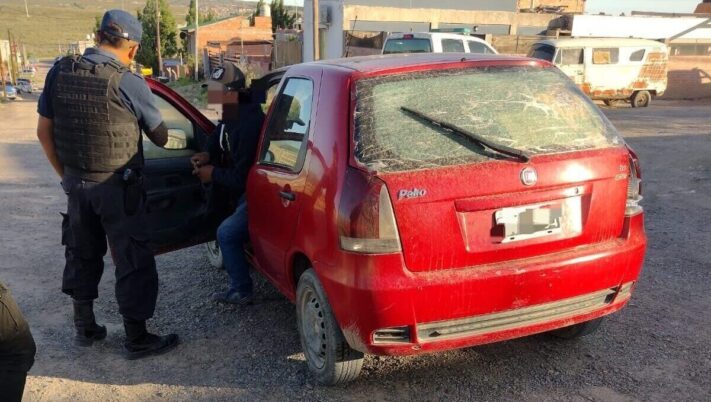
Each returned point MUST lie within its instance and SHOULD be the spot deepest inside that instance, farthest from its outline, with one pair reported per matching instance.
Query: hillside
(53, 23)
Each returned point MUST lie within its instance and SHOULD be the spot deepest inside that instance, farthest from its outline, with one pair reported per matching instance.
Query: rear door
(276, 183)
(178, 214)
(460, 205)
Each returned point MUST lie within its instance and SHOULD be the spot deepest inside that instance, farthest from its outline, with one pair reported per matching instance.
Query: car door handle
(287, 195)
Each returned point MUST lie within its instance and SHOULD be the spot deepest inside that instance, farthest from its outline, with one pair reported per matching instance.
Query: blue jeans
(232, 235)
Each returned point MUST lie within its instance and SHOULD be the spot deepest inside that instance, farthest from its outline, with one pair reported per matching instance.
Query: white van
(435, 42)
(610, 69)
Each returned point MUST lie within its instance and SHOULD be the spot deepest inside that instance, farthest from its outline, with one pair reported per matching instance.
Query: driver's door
(177, 211)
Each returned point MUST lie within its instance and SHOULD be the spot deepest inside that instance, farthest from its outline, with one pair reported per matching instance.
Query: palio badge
(408, 194)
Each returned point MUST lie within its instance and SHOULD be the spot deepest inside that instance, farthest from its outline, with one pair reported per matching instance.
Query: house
(340, 18)
(227, 29)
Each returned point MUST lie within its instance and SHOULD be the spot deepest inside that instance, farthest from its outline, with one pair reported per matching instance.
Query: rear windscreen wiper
(502, 149)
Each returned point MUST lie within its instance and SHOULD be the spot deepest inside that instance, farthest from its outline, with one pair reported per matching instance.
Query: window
(452, 46)
(606, 56)
(181, 134)
(543, 52)
(536, 110)
(414, 45)
(288, 128)
(572, 56)
(637, 55)
(478, 47)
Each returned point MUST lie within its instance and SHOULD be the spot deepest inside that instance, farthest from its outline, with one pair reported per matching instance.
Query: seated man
(233, 146)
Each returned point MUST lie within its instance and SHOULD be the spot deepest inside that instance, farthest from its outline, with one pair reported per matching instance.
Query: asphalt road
(655, 349)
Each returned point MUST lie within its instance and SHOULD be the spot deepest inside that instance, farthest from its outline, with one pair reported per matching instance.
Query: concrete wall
(689, 77)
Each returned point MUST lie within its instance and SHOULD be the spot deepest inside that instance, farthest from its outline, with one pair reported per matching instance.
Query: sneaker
(233, 297)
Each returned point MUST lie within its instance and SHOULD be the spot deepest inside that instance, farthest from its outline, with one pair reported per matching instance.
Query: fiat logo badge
(529, 176)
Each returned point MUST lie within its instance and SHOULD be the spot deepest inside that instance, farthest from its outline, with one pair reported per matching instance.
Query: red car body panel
(444, 272)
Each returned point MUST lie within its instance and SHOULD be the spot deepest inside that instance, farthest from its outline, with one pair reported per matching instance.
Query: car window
(181, 134)
(637, 55)
(572, 56)
(536, 110)
(478, 47)
(452, 46)
(543, 52)
(287, 131)
(412, 45)
(606, 56)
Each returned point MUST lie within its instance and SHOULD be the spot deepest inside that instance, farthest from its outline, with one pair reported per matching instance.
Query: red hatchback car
(419, 203)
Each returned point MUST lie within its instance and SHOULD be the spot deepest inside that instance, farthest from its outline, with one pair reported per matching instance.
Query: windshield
(414, 45)
(530, 109)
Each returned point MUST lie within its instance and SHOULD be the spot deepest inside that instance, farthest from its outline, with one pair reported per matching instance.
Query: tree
(281, 18)
(205, 17)
(168, 33)
(258, 11)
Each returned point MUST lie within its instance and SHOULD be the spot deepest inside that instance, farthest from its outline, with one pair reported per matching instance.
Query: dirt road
(655, 349)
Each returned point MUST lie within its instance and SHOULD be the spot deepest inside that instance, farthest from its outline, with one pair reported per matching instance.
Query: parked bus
(610, 69)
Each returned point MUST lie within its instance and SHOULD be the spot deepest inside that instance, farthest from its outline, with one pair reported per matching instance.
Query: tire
(641, 99)
(329, 357)
(214, 254)
(578, 330)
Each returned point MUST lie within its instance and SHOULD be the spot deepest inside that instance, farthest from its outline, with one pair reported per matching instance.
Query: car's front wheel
(578, 330)
(328, 355)
(214, 254)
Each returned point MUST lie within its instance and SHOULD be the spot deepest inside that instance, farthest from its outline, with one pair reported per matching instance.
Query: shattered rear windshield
(535, 110)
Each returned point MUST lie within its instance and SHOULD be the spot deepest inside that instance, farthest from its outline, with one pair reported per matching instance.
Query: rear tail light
(634, 187)
(366, 218)
(408, 36)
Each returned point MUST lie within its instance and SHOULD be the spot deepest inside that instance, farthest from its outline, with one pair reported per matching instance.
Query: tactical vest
(95, 134)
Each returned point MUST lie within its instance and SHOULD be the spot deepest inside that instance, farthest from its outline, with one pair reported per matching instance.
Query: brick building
(228, 29)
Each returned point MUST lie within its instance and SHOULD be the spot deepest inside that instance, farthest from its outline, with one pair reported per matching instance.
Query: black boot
(85, 322)
(141, 343)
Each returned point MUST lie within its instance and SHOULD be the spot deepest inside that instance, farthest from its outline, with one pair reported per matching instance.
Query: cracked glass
(534, 110)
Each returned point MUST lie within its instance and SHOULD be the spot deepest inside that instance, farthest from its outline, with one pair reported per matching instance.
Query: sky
(615, 6)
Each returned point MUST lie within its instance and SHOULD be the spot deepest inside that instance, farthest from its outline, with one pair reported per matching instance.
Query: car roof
(372, 64)
(436, 35)
(606, 42)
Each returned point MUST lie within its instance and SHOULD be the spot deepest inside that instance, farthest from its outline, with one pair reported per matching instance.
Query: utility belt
(130, 179)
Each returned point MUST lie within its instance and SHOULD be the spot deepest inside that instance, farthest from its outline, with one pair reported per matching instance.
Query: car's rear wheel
(329, 357)
(214, 254)
(578, 330)
(641, 99)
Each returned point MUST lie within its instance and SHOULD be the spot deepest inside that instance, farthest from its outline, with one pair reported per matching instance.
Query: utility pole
(317, 46)
(12, 63)
(197, 26)
(160, 58)
(27, 10)
(2, 75)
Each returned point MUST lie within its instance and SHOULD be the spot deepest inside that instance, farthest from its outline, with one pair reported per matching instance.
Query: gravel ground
(655, 349)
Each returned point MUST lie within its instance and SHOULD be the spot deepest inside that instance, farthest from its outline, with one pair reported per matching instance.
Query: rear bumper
(385, 309)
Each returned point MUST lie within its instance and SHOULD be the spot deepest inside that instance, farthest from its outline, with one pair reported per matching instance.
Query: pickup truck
(418, 203)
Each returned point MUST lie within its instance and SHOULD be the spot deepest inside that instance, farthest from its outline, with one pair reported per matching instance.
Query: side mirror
(177, 139)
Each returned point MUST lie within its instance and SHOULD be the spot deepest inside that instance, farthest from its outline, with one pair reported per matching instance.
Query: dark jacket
(238, 150)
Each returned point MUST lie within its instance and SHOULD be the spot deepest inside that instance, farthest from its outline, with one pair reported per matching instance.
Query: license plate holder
(559, 218)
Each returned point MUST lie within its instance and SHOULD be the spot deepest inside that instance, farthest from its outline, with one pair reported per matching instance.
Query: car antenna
(350, 35)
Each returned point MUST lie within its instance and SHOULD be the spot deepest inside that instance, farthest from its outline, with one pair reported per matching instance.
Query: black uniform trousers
(17, 348)
(97, 211)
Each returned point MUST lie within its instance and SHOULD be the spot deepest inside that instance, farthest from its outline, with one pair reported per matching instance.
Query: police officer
(17, 348)
(231, 153)
(92, 111)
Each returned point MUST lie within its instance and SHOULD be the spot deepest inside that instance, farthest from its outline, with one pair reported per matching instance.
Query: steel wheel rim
(313, 328)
